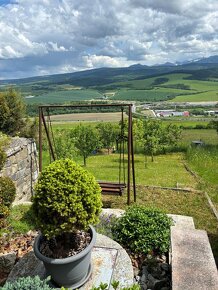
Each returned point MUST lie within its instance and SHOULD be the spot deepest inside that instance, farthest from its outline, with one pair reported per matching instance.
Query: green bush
(4, 140)
(7, 195)
(67, 197)
(142, 230)
(27, 283)
(7, 191)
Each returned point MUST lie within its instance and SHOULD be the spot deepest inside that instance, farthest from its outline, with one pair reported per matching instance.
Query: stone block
(193, 264)
(7, 262)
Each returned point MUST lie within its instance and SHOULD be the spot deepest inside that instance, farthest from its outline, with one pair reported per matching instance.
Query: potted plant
(67, 201)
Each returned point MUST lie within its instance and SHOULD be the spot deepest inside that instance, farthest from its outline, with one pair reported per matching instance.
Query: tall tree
(107, 134)
(155, 137)
(12, 111)
(86, 140)
(214, 125)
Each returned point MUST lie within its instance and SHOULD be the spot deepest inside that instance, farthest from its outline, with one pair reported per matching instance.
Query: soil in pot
(65, 245)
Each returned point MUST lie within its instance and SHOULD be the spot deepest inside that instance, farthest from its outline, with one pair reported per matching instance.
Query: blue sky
(4, 2)
(39, 37)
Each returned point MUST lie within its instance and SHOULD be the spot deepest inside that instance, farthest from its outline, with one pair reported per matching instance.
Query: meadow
(176, 87)
(65, 96)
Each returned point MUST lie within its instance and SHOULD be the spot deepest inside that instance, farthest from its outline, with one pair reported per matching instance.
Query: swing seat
(112, 187)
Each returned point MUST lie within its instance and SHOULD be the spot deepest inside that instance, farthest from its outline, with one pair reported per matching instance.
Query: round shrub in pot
(67, 201)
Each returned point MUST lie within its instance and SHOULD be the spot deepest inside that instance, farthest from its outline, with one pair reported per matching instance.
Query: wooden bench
(112, 188)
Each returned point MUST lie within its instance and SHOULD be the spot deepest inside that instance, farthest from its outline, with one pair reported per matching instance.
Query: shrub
(7, 195)
(4, 140)
(142, 230)
(67, 197)
(27, 283)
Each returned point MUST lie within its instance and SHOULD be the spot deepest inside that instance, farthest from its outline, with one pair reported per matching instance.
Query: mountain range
(201, 69)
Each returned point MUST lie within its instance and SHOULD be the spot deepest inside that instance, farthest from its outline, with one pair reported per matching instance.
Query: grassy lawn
(208, 136)
(166, 170)
(204, 161)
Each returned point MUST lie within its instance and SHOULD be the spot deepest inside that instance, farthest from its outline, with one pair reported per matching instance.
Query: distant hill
(100, 76)
(136, 82)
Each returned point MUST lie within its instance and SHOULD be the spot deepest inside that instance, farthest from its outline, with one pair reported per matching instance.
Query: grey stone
(144, 287)
(165, 267)
(182, 221)
(143, 278)
(193, 264)
(155, 284)
(7, 262)
(28, 265)
(20, 171)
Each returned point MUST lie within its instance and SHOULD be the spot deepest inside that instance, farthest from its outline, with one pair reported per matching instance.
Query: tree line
(150, 135)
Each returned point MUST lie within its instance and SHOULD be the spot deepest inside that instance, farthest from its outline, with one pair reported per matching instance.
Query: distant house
(170, 113)
(214, 112)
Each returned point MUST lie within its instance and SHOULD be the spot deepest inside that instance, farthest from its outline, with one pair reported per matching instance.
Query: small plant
(105, 225)
(115, 285)
(27, 283)
(7, 195)
(67, 198)
(142, 230)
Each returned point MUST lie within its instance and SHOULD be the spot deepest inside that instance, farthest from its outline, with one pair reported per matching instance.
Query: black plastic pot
(71, 272)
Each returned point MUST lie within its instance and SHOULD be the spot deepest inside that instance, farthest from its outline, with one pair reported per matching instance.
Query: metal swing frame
(106, 186)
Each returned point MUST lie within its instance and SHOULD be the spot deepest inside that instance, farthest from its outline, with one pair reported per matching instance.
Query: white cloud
(93, 61)
(53, 36)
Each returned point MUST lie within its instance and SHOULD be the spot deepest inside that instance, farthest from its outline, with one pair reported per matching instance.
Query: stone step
(193, 264)
(182, 221)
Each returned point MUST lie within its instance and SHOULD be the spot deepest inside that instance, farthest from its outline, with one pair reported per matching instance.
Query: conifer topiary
(67, 198)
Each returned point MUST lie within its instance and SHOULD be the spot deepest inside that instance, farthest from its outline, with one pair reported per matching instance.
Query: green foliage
(214, 124)
(204, 161)
(67, 197)
(4, 140)
(107, 134)
(86, 140)
(115, 285)
(28, 283)
(155, 137)
(143, 230)
(159, 81)
(7, 195)
(12, 112)
(21, 219)
(64, 144)
(31, 128)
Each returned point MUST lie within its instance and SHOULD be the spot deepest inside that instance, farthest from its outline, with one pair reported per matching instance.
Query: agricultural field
(88, 117)
(207, 96)
(152, 95)
(67, 96)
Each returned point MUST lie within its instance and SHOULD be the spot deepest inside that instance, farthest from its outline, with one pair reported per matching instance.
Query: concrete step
(182, 221)
(193, 264)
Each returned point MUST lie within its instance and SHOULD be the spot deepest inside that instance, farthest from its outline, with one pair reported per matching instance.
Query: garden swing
(107, 187)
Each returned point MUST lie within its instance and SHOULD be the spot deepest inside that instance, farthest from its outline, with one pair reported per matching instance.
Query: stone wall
(22, 167)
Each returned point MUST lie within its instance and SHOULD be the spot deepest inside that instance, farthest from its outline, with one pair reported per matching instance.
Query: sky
(41, 37)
